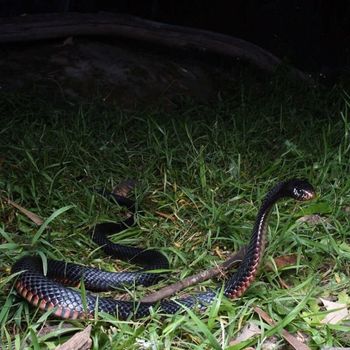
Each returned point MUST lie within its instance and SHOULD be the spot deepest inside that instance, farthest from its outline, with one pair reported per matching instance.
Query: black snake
(48, 292)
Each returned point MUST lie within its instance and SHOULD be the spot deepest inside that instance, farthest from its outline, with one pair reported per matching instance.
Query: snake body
(50, 293)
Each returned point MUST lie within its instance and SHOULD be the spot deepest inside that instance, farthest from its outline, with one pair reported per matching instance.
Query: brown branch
(168, 291)
(50, 26)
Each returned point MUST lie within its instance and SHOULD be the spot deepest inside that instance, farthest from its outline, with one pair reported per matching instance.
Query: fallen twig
(194, 279)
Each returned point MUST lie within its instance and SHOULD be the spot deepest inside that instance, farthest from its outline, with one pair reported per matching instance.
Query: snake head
(300, 190)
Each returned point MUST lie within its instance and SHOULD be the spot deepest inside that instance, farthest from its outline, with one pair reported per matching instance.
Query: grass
(208, 167)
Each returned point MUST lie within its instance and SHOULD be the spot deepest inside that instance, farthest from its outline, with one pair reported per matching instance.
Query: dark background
(313, 35)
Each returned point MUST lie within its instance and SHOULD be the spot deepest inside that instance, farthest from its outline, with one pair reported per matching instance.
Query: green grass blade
(52, 217)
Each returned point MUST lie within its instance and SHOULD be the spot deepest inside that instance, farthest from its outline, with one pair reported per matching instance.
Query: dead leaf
(291, 339)
(286, 260)
(250, 330)
(30, 215)
(340, 312)
(166, 216)
(177, 245)
(219, 253)
(312, 219)
(282, 261)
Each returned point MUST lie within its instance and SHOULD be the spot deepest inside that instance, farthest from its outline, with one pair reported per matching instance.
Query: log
(28, 28)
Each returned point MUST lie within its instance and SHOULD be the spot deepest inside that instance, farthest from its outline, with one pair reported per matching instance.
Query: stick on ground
(168, 291)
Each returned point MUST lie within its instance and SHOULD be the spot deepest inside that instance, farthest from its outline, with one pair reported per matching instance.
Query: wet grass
(206, 167)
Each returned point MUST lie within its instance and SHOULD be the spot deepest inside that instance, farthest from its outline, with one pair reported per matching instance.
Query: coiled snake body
(48, 292)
